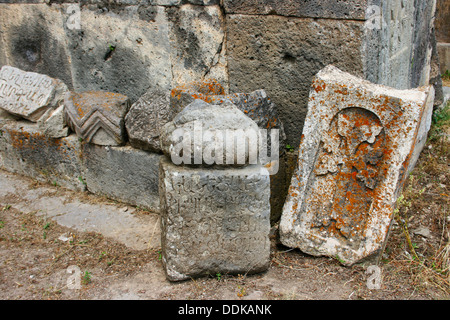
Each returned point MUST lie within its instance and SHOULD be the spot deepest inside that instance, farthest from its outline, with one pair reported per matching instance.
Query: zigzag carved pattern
(87, 122)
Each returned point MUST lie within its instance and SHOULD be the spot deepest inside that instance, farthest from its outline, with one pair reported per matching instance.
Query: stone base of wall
(120, 173)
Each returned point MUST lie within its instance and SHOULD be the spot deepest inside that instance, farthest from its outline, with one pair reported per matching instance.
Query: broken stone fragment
(206, 134)
(146, 117)
(53, 123)
(97, 116)
(29, 95)
(357, 143)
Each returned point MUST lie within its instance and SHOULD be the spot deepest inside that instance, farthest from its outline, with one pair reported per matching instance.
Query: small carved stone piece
(97, 116)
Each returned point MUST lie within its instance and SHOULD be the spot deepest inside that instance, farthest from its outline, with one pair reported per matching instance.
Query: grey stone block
(28, 94)
(281, 55)
(122, 173)
(146, 118)
(97, 117)
(214, 221)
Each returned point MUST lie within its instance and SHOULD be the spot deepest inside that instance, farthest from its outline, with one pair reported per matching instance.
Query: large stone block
(257, 105)
(357, 144)
(335, 9)
(33, 39)
(24, 149)
(214, 221)
(146, 118)
(281, 55)
(126, 51)
(197, 40)
(122, 173)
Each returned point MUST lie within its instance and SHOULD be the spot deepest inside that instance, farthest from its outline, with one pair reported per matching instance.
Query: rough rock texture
(122, 173)
(336, 9)
(210, 134)
(33, 39)
(53, 123)
(214, 221)
(145, 119)
(185, 94)
(256, 105)
(28, 94)
(126, 51)
(197, 38)
(281, 55)
(24, 149)
(97, 117)
(357, 144)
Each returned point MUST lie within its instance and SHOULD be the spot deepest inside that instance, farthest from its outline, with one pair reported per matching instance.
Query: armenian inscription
(214, 221)
(357, 143)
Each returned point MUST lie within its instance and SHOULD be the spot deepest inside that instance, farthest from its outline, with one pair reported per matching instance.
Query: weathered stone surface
(127, 51)
(29, 94)
(145, 119)
(185, 94)
(282, 55)
(336, 9)
(33, 39)
(442, 22)
(444, 56)
(197, 39)
(53, 123)
(24, 149)
(97, 117)
(256, 105)
(357, 143)
(122, 173)
(209, 134)
(214, 221)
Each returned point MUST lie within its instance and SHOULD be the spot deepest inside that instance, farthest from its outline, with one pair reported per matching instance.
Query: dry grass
(424, 257)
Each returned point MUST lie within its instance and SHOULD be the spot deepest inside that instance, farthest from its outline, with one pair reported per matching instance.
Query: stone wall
(130, 46)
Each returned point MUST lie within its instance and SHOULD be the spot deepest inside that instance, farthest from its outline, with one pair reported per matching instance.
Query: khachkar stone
(146, 117)
(214, 221)
(358, 141)
(97, 116)
(29, 95)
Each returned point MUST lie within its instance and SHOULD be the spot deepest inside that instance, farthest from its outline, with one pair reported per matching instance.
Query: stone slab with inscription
(214, 221)
(357, 145)
(29, 95)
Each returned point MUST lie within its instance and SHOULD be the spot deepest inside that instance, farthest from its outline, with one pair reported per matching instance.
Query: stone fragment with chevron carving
(97, 116)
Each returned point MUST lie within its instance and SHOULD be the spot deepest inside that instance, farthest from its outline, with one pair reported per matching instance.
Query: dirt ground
(36, 255)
